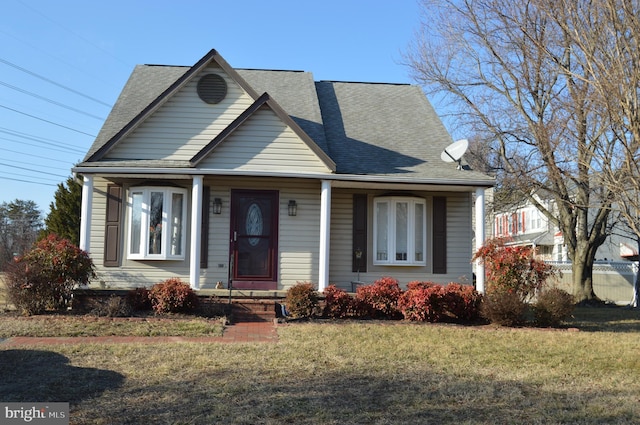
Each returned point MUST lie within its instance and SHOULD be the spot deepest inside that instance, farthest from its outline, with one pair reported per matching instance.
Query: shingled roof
(374, 129)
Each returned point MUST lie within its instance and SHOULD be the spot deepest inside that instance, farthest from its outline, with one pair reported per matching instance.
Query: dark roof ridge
(365, 82)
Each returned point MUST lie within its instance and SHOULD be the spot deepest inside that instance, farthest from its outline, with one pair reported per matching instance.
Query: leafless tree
(608, 34)
(20, 224)
(518, 79)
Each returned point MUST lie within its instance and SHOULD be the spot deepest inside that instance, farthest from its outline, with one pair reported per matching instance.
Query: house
(262, 178)
(614, 271)
(525, 225)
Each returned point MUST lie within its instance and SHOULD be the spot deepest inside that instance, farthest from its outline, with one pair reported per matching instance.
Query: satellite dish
(454, 152)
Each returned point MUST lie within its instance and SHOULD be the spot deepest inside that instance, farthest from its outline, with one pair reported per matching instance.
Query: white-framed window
(157, 223)
(399, 231)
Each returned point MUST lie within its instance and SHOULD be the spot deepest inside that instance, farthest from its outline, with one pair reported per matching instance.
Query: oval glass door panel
(254, 224)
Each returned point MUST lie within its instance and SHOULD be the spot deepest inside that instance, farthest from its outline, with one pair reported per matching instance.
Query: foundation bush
(173, 296)
(552, 307)
(302, 300)
(338, 303)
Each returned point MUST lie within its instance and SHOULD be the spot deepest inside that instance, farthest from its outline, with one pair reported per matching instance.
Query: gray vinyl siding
(131, 273)
(459, 236)
(264, 143)
(298, 245)
(185, 125)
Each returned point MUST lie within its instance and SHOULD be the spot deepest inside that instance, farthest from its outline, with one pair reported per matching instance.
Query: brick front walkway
(239, 332)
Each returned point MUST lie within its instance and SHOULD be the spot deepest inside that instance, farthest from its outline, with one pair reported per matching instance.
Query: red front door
(254, 238)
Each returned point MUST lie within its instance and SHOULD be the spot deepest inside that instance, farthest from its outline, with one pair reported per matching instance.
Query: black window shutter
(113, 223)
(359, 233)
(204, 236)
(439, 235)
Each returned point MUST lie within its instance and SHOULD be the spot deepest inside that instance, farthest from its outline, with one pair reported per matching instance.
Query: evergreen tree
(64, 215)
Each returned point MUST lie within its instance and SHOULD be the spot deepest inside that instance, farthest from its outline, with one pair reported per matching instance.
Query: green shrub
(504, 308)
(173, 296)
(338, 304)
(380, 300)
(302, 300)
(553, 306)
(43, 278)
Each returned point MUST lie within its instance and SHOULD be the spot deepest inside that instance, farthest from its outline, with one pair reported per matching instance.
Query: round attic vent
(212, 88)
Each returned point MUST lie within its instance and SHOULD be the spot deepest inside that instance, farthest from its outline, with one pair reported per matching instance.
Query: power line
(13, 161)
(48, 80)
(47, 121)
(31, 169)
(27, 181)
(74, 33)
(30, 155)
(59, 59)
(42, 140)
(63, 150)
(53, 102)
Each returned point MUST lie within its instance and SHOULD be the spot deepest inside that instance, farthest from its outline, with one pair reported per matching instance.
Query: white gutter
(374, 179)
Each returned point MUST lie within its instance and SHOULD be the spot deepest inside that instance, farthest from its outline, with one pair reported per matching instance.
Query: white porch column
(196, 229)
(325, 220)
(480, 237)
(85, 212)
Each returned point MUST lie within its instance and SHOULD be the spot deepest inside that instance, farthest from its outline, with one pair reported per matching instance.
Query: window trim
(392, 202)
(167, 205)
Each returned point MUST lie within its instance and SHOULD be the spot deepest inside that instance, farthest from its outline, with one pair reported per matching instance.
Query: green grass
(349, 373)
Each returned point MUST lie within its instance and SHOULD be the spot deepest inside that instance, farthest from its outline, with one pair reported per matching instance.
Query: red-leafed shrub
(416, 284)
(302, 300)
(513, 269)
(139, 299)
(430, 302)
(43, 278)
(173, 296)
(462, 302)
(338, 304)
(423, 303)
(380, 300)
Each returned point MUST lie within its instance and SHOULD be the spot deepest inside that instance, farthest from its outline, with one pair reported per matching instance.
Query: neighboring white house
(614, 272)
(260, 179)
(525, 225)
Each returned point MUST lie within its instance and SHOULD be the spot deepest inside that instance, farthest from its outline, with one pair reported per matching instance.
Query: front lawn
(351, 372)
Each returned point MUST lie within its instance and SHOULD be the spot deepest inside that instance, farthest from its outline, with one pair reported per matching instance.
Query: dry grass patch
(344, 372)
(73, 325)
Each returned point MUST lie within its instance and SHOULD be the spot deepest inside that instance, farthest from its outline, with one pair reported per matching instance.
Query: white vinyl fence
(612, 280)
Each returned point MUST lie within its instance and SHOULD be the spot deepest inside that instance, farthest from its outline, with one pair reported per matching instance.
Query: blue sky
(63, 63)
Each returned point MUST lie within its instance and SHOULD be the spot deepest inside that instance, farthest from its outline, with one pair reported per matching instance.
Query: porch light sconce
(217, 206)
(293, 208)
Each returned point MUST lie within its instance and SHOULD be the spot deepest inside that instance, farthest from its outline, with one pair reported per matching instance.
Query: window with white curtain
(157, 224)
(399, 234)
